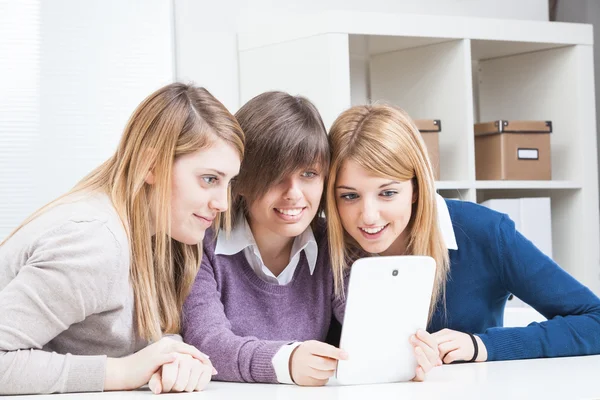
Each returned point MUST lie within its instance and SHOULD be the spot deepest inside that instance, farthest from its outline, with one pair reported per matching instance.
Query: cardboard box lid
(505, 126)
(428, 125)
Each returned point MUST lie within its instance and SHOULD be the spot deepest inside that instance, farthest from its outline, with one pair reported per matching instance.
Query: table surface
(557, 378)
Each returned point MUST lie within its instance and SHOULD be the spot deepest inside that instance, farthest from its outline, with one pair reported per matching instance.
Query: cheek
(346, 214)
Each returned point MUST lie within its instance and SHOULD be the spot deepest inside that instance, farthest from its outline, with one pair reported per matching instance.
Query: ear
(150, 178)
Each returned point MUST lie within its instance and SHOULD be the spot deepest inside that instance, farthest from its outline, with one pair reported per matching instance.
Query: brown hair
(385, 141)
(284, 134)
(175, 120)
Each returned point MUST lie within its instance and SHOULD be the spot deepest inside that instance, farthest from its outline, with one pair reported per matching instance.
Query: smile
(374, 230)
(290, 211)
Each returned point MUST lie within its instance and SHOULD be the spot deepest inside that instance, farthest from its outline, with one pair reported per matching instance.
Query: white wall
(81, 69)
(206, 40)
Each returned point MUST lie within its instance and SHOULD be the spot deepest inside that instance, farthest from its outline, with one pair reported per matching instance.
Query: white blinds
(19, 108)
(74, 73)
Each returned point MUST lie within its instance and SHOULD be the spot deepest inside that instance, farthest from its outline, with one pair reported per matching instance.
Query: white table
(558, 378)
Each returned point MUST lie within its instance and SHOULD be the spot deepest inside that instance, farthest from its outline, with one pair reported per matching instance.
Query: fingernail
(344, 355)
(214, 371)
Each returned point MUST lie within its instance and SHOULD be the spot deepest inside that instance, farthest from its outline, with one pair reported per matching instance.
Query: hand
(426, 352)
(458, 346)
(184, 374)
(313, 363)
(134, 371)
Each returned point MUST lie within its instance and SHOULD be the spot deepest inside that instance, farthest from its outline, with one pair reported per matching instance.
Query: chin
(293, 231)
(191, 240)
(373, 248)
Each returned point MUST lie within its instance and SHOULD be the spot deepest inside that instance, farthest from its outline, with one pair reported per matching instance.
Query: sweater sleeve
(65, 279)
(205, 325)
(572, 310)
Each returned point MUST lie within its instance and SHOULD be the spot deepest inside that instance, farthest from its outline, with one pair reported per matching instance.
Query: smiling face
(374, 210)
(199, 190)
(289, 206)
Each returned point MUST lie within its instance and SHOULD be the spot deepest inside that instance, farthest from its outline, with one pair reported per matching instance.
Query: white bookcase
(461, 71)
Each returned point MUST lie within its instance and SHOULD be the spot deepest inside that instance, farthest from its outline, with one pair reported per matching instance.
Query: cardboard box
(430, 129)
(513, 150)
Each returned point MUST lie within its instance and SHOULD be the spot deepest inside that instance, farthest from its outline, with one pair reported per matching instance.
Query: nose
(292, 189)
(220, 201)
(369, 212)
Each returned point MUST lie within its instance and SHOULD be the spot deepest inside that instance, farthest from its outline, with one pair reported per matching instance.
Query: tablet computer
(387, 301)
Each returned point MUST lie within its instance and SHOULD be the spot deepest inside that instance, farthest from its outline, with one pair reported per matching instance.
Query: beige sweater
(65, 300)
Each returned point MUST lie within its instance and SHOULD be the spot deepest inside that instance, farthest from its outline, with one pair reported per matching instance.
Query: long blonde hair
(175, 120)
(384, 140)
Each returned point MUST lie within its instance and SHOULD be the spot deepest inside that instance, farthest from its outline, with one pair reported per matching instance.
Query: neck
(274, 249)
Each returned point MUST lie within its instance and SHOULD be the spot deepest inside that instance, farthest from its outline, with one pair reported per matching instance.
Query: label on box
(528, 154)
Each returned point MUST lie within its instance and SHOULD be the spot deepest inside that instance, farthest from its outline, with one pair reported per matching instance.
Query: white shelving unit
(461, 71)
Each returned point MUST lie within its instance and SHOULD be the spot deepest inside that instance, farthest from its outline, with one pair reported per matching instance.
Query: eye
(388, 193)
(210, 179)
(309, 174)
(349, 196)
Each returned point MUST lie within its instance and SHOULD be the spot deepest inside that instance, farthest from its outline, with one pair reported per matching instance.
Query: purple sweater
(241, 322)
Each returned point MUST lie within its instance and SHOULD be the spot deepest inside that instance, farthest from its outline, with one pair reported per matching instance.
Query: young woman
(91, 279)
(381, 200)
(263, 299)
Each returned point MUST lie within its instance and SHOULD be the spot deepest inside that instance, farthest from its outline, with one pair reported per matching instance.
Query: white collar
(445, 223)
(241, 237)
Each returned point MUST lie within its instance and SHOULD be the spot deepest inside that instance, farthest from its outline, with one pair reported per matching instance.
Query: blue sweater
(493, 260)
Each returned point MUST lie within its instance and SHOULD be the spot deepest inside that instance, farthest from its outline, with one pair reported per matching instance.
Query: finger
(320, 375)
(419, 375)
(154, 383)
(422, 359)
(453, 356)
(322, 363)
(327, 350)
(314, 382)
(184, 348)
(433, 354)
(427, 338)
(162, 359)
(183, 374)
(205, 377)
(447, 347)
(169, 376)
(195, 373)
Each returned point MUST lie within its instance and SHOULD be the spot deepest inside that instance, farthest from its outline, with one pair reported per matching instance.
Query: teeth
(372, 231)
(290, 211)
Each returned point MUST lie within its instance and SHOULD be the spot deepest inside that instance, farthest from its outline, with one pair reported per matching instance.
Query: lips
(290, 214)
(373, 232)
(207, 220)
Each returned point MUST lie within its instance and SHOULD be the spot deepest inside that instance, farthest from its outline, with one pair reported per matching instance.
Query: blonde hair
(384, 140)
(175, 120)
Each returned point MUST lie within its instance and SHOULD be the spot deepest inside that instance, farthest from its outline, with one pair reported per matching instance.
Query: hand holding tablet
(388, 301)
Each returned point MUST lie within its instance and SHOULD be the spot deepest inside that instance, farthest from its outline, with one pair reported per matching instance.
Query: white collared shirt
(445, 223)
(242, 239)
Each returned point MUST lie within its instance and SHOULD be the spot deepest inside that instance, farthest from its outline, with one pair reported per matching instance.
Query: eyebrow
(380, 187)
(221, 174)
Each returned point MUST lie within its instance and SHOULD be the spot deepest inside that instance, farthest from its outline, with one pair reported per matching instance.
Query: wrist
(290, 364)
(482, 356)
(113, 374)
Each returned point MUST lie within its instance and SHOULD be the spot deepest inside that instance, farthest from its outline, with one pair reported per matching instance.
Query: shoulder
(86, 232)
(473, 218)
